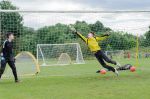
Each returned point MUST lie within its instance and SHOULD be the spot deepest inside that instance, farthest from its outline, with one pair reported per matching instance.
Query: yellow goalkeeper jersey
(92, 42)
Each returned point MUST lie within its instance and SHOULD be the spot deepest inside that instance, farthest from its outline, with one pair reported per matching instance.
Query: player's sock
(118, 64)
(116, 72)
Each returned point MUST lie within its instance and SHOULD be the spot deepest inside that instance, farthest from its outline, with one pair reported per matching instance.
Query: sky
(133, 23)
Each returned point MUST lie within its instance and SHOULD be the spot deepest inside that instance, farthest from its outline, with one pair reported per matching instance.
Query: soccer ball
(103, 71)
(132, 69)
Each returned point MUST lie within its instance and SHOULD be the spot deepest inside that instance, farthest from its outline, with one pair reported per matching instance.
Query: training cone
(103, 71)
(132, 69)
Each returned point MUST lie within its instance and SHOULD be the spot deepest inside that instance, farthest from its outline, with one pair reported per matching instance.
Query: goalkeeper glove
(72, 29)
(105, 35)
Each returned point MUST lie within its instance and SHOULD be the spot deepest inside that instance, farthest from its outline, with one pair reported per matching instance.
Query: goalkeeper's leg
(13, 67)
(106, 58)
(125, 67)
(2, 68)
(101, 61)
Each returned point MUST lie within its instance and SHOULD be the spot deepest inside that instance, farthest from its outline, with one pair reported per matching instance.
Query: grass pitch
(80, 82)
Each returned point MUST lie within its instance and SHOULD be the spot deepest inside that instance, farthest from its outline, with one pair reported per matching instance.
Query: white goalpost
(59, 54)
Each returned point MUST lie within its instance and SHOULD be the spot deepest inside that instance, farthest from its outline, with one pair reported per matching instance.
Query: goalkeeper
(7, 56)
(92, 42)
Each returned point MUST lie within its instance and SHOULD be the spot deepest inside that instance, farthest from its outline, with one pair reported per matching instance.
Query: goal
(26, 65)
(59, 54)
(129, 34)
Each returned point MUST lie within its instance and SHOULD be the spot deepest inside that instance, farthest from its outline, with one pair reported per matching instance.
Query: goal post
(59, 54)
(26, 64)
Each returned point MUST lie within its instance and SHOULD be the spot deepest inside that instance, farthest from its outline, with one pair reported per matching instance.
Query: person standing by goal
(92, 42)
(7, 56)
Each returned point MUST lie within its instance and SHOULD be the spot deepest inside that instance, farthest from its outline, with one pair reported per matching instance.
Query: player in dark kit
(7, 56)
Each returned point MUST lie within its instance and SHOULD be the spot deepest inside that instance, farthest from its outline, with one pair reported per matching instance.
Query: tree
(147, 39)
(120, 41)
(53, 34)
(27, 40)
(97, 26)
(82, 27)
(28, 31)
(10, 21)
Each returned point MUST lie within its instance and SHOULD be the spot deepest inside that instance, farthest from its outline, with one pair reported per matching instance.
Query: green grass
(80, 82)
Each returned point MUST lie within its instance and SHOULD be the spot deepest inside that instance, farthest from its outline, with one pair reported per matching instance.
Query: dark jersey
(7, 50)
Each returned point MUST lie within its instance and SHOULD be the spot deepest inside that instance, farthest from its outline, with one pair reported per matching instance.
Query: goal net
(26, 65)
(129, 38)
(59, 54)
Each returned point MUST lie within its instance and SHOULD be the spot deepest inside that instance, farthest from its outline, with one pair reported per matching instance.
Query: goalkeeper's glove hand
(72, 29)
(106, 34)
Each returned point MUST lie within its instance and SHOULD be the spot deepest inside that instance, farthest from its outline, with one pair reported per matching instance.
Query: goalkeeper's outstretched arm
(78, 33)
(81, 36)
(103, 37)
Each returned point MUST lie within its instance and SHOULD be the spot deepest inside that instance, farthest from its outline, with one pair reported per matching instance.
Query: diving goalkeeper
(92, 42)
